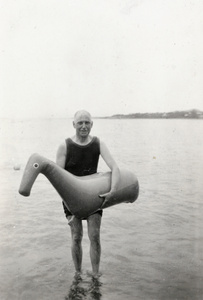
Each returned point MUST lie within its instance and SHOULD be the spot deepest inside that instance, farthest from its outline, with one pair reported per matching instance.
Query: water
(151, 249)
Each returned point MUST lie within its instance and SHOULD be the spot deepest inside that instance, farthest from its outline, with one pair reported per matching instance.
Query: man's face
(83, 124)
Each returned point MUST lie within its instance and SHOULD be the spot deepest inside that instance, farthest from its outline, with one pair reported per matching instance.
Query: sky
(108, 57)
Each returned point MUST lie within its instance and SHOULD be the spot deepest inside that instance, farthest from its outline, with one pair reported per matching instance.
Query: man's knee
(94, 236)
(94, 223)
(76, 230)
(77, 238)
(95, 242)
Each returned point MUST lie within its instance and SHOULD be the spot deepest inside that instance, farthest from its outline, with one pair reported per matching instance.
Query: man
(79, 155)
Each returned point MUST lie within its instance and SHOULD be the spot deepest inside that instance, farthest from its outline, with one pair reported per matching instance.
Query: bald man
(79, 155)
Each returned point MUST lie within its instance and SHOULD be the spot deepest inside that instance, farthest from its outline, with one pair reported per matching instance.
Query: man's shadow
(84, 289)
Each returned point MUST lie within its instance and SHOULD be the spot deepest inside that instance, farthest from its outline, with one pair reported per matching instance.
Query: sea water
(151, 249)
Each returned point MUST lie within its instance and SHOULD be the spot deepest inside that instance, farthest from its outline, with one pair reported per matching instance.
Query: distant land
(185, 114)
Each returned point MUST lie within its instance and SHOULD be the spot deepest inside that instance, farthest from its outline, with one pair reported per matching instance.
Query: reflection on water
(84, 289)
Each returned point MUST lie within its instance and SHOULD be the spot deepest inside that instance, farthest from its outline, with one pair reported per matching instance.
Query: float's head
(31, 172)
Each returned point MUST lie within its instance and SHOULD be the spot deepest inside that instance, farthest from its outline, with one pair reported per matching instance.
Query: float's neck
(60, 179)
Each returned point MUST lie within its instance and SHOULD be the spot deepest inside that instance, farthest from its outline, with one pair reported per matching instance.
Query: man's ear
(92, 124)
(73, 124)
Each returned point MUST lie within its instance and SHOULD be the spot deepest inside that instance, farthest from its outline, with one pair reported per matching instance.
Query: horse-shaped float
(80, 194)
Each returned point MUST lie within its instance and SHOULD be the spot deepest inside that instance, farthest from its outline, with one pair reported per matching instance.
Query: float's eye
(36, 165)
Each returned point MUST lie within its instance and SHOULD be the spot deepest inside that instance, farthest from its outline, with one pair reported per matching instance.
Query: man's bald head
(80, 114)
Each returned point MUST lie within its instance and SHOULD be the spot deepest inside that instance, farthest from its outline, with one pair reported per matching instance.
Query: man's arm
(61, 155)
(107, 157)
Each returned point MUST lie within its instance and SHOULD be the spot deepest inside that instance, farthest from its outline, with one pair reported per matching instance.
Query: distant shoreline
(187, 114)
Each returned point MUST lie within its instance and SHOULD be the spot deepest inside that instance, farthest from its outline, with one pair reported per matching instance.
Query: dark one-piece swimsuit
(81, 161)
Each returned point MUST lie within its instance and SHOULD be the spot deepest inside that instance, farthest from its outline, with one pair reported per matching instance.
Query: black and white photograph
(101, 150)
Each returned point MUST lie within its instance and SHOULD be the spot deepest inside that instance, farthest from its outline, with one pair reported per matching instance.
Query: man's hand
(106, 198)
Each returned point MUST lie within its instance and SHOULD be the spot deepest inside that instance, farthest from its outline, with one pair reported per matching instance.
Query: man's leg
(76, 248)
(94, 223)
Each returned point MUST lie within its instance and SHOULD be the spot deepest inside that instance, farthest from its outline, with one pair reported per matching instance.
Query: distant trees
(187, 114)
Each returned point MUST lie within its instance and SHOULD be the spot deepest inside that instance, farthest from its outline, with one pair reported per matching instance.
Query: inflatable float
(79, 194)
